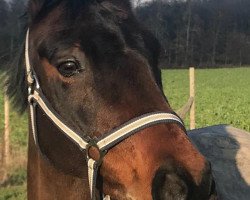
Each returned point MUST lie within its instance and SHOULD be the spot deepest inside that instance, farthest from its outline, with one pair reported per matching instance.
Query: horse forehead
(90, 17)
(90, 11)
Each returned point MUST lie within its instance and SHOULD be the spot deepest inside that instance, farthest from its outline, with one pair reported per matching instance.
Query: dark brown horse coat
(98, 68)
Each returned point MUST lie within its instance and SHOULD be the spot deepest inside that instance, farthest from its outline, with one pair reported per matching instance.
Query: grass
(222, 97)
(13, 193)
(15, 186)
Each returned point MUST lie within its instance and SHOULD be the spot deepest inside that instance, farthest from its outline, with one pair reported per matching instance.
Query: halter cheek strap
(102, 144)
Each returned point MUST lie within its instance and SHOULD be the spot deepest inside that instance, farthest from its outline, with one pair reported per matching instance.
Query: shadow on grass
(18, 177)
(14, 187)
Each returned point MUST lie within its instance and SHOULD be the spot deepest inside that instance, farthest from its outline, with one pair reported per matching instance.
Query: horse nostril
(172, 182)
(168, 185)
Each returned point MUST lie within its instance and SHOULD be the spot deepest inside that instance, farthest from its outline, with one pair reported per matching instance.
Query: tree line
(11, 14)
(204, 33)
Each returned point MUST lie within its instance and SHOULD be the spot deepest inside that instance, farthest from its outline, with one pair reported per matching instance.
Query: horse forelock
(38, 8)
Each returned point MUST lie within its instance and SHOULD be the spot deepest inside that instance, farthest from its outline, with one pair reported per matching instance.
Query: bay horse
(99, 121)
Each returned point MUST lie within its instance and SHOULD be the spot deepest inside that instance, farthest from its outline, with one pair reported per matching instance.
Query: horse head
(97, 67)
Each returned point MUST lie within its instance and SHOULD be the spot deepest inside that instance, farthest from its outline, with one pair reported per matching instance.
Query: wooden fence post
(7, 130)
(6, 139)
(192, 95)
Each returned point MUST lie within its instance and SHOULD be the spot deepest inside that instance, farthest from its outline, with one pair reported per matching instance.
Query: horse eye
(69, 68)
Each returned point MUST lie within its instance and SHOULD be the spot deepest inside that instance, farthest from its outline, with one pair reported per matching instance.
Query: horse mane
(14, 84)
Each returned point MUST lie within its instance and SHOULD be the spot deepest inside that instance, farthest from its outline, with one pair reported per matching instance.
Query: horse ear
(122, 4)
(35, 7)
(121, 8)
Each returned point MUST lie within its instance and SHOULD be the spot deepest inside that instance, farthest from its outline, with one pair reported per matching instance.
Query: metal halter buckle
(34, 84)
(92, 144)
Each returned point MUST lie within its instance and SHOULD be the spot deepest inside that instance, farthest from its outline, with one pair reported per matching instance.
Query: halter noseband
(102, 144)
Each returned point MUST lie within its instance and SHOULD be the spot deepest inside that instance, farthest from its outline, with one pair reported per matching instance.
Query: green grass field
(222, 97)
(15, 187)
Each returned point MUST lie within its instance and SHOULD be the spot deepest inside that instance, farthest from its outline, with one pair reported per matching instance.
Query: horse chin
(122, 196)
(130, 197)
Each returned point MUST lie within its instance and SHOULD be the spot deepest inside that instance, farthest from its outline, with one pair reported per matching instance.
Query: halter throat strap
(102, 144)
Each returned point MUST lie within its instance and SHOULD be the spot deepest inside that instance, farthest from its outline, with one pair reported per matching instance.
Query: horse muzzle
(175, 183)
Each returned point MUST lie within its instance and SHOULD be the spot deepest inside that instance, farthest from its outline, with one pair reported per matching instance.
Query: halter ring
(101, 154)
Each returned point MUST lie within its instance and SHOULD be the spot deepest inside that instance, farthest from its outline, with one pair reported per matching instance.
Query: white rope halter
(102, 144)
